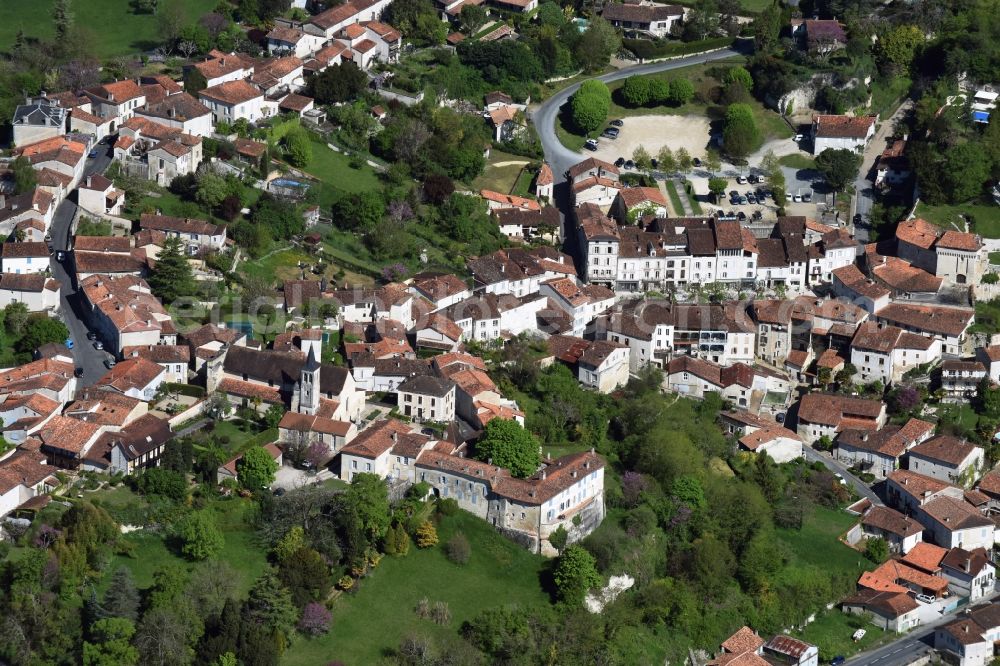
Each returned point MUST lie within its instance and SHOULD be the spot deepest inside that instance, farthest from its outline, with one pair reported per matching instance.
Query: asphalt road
(837, 467)
(561, 158)
(864, 184)
(71, 307)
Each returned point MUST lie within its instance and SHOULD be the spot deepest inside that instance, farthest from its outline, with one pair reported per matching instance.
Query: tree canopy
(256, 469)
(506, 444)
(590, 104)
(172, 277)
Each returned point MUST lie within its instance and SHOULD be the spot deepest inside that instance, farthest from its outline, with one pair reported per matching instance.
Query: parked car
(780, 417)
(109, 363)
(807, 197)
(757, 215)
(590, 144)
(93, 153)
(78, 372)
(741, 216)
(629, 164)
(837, 661)
(278, 492)
(610, 133)
(69, 343)
(743, 200)
(858, 218)
(654, 162)
(733, 194)
(741, 180)
(751, 198)
(617, 123)
(91, 335)
(840, 479)
(98, 345)
(926, 598)
(696, 162)
(753, 179)
(797, 198)
(60, 255)
(620, 162)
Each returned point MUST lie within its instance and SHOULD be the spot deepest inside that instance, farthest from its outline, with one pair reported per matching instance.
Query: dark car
(743, 201)
(591, 144)
(838, 660)
(617, 123)
(741, 216)
(629, 164)
(733, 194)
(696, 162)
(278, 492)
(610, 133)
(751, 198)
(91, 335)
(620, 162)
(858, 218)
(654, 162)
(109, 363)
(752, 179)
(93, 153)
(780, 418)
(78, 372)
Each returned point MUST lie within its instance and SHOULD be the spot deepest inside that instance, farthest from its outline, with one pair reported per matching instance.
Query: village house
(884, 353)
(197, 235)
(851, 284)
(954, 523)
(124, 312)
(960, 379)
(292, 40)
(842, 132)
(66, 441)
(38, 292)
(98, 195)
(37, 120)
(427, 398)
(519, 271)
(969, 573)
(305, 430)
(328, 23)
(900, 532)
(60, 154)
(441, 290)
(649, 19)
(894, 610)
(970, 639)
(779, 443)
(234, 100)
(957, 257)
(219, 68)
(37, 206)
(181, 112)
(118, 100)
(581, 302)
(135, 377)
(893, 166)
(529, 224)
(24, 258)
(879, 452)
(599, 365)
(174, 359)
(633, 203)
(744, 385)
(824, 415)
(819, 36)
(162, 152)
(948, 459)
(907, 491)
(137, 446)
(24, 475)
(948, 324)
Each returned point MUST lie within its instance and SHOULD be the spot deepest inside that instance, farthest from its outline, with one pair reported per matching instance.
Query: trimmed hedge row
(646, 49)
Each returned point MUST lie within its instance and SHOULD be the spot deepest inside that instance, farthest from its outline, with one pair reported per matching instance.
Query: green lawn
(688, 191)
(279, 265)
(380, 614)
(832, 632)
(748, 6)
(114, 29)
(995, 257)
(985, 216)
(335, 170)
(503, 179)
(241, 550)
(797, 161)
(235, 440)
(887, 94)
(816, 543)
(675, 198)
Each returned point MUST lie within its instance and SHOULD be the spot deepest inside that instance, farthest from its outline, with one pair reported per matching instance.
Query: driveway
(71, 307)
(290, 478)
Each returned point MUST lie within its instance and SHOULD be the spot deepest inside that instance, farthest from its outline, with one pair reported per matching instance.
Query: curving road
(561, 158)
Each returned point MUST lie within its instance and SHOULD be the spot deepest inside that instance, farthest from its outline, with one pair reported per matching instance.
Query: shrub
(448, 506)
(315, 619)
(427, 535)
(458, 549)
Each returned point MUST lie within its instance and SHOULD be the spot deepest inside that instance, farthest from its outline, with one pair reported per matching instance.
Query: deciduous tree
(507, 444)
(199, 535)
(575, 574)
(256, 469)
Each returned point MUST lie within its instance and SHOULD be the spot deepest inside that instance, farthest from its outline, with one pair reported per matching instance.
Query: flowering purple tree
(315, 619)
(47, 535)
(633, 484)
(394, 272)
(399, 211)
(316, 453)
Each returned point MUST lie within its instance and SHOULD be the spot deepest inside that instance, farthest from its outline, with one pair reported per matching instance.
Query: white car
(926, 598)
(797, 138)
(797, 198)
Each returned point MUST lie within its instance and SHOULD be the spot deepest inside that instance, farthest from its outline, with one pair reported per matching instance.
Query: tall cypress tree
(121, 598)
(171, 278)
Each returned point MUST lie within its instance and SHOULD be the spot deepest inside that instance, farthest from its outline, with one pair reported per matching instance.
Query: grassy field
(337, 174)
(380, 614)
(995, 257)
(114, 28)
(279, 265)
(748, 6)
(985, 216)
(832, 632)
(823, 527)
(241, 550)
(675, 198)
(797, 161)
(688, 191)
(504, 179)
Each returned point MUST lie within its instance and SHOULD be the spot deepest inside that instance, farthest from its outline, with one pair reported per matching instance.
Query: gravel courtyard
(653, 132)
